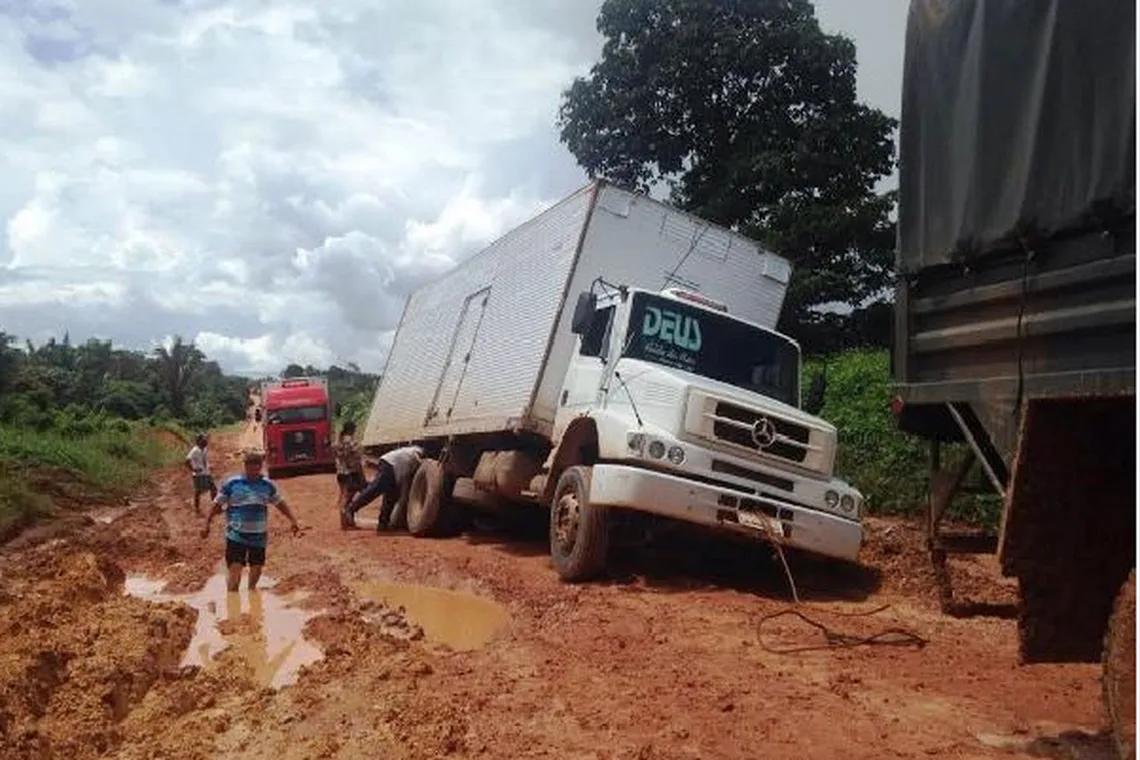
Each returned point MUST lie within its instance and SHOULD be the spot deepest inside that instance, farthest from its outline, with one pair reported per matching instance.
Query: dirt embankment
(469, 647)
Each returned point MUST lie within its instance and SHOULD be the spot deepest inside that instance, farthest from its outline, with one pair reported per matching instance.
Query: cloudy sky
(271, 178)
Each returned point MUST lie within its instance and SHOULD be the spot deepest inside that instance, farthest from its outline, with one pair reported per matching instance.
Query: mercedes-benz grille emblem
(763, 432)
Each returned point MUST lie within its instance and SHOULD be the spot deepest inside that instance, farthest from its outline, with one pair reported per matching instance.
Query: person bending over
(395, 468)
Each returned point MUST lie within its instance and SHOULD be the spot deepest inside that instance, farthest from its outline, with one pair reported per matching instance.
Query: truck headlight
(831, 499)
(656, 449)
(676, 455)
(847, 503)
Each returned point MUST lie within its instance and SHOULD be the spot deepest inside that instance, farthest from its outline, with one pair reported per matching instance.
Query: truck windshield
(674, 334)
(294, 414)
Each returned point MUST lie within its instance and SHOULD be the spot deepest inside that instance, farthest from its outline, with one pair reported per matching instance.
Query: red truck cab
(297, 426)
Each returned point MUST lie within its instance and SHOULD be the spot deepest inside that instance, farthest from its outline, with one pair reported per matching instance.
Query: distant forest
(77, 387)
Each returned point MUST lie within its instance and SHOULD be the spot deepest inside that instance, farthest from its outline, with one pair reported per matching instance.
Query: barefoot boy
(198, 462)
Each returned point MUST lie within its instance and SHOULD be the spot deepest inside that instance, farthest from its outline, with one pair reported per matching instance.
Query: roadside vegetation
(888, 466)
(85, 424)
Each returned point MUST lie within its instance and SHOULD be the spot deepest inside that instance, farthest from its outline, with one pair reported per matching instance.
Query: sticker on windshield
(671, 338)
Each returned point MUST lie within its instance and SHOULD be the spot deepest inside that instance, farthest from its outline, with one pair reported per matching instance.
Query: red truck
(298, 426)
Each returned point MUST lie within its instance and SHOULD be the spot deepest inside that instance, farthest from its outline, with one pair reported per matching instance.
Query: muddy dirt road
(120, 641)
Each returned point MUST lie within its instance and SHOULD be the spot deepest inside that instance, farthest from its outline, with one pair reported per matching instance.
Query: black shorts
(353, 482)
(202, 484)
(242, 554)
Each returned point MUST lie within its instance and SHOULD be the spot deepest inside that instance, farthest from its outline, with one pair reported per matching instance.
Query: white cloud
(269, 180)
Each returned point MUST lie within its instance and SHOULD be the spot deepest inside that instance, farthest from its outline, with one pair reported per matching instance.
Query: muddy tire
(428, 500)
(399, 517)
(579, 530)
(1119, 677)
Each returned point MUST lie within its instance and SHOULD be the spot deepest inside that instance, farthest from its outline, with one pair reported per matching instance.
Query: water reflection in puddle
(258, 625)
(460, 621)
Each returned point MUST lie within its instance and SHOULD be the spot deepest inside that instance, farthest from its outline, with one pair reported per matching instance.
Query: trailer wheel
(1119, 677)
(428, 500)
(579, 530)
(399, 517)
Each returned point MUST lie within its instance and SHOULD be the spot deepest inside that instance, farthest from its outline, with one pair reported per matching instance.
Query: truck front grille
(299, 445)
(744, 427)
(761, 432)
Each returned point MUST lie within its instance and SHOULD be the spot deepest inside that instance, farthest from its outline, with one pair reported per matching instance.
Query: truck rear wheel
(1119, 678)
(579, 530)
(399, 518)
(428, 500)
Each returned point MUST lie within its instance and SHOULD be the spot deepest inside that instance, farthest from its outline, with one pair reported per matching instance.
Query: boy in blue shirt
(246, 499)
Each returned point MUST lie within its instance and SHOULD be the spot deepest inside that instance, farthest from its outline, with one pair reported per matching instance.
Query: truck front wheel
(579, 530)
(1120, 668)
(428, 499)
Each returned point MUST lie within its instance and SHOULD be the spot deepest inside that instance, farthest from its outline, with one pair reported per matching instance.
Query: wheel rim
(566, 513)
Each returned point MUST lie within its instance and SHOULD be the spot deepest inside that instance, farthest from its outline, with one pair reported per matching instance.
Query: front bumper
(675, 497)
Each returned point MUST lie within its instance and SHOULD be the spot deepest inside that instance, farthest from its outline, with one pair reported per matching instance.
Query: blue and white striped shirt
(247, 505)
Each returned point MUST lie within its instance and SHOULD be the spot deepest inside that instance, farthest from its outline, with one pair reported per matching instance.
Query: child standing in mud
(198, 462)
(349, 467)
(246, 499)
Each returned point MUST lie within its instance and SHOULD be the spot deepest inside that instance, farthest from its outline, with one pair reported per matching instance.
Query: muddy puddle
(457, 620)
(260, 626)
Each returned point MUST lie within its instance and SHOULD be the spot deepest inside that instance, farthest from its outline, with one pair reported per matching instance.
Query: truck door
(584, 375)
(458, 358)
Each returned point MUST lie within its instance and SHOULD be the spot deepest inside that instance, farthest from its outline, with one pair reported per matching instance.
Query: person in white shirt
(198, 462)
(395, 468)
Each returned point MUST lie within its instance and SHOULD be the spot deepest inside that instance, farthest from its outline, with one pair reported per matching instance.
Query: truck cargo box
(485, 347)
(1016, 233)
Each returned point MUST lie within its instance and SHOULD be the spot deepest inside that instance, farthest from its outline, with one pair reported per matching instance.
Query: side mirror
(816, 394)
(584, 312)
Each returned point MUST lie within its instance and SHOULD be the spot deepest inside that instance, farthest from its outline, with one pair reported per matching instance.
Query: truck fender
(578, 446)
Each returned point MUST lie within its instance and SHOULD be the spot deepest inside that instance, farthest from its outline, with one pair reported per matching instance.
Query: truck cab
(697, 417)
(297, 429)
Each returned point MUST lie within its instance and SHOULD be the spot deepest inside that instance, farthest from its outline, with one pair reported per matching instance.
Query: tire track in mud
(662, 662)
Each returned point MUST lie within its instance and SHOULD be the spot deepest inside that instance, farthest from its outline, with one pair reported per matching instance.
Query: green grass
(888, 466)
(41, 471)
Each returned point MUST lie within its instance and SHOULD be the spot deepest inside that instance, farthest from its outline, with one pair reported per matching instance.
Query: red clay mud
(662, 661)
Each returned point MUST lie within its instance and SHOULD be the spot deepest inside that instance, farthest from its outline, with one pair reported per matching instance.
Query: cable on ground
(894, 636)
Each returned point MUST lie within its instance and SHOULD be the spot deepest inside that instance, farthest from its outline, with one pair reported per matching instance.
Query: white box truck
(611, 358)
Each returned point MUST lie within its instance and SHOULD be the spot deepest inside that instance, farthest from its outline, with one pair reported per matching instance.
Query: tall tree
(747, 113)
(9, 360)
(177, 365)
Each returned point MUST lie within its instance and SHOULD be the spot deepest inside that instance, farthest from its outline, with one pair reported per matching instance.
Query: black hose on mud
(894, 636)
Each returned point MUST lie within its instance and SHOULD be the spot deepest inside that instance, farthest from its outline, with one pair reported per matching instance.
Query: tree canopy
(745, 111)
(60, 385)
(41, 385)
